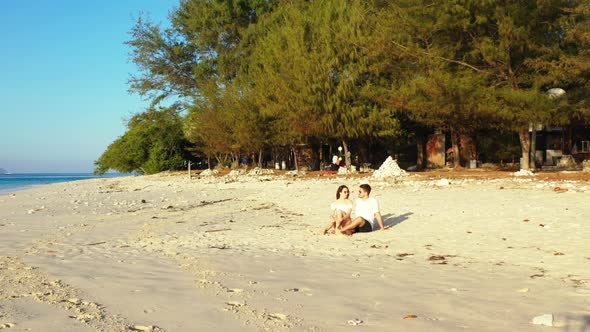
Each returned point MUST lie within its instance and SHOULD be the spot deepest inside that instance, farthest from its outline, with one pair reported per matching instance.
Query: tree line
(229, 77)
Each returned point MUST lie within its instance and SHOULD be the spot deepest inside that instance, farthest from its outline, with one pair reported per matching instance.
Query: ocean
(13, 182)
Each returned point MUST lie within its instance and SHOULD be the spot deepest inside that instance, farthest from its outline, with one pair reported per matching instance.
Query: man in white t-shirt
(366, 212)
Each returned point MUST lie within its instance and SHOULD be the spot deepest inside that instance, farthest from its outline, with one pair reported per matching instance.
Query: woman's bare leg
(330, 225)
(338, 220)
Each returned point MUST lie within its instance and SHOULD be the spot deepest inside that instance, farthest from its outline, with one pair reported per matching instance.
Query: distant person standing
(335, 162)
(366, 212)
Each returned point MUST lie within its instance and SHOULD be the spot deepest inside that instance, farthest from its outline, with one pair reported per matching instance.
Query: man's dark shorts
(366, 228)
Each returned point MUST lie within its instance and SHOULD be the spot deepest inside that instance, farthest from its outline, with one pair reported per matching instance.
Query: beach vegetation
(259, 76)
(476, 65)
(154, 142)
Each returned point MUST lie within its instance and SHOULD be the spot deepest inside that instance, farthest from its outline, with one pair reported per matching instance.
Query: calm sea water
(12, 182)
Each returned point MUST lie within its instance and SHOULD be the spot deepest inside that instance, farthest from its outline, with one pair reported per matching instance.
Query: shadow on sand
(571, 323)
(390, 221)
(584, 327)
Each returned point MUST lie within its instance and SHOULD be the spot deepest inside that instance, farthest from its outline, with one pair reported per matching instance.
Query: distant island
(3, 171)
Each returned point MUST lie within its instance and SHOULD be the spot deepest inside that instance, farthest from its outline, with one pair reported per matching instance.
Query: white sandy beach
(165, 253)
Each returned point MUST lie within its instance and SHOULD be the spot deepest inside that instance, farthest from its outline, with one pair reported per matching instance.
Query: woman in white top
(340, 210)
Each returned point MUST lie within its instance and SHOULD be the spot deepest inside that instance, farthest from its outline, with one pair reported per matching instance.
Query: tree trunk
(321, 154)
(275, 155)
(525, 146)
(209, 162)
(456, 151)
(235, 162)
(421, 152)
(568, 139)
(221, 158)
(295, 159)
(260, 158)
(534, 147)
(346, 155)
(468, 148)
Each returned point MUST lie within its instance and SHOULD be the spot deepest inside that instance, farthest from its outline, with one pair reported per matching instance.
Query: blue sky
(63, 80)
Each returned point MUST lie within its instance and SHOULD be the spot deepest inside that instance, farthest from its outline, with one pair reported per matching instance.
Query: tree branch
(405, 48)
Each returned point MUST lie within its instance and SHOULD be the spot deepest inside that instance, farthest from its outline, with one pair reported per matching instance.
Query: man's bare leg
(358, 221)
(344, 224)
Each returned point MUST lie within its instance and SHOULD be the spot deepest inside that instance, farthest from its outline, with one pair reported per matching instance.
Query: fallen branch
(219, 247)
(96, 243)
(203, 203)
(217, 230)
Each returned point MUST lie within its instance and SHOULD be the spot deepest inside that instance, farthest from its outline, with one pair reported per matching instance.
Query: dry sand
(244, 253)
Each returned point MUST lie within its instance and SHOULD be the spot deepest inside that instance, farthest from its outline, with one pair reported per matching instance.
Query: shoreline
(245, 253)
(10, 190)
(41, 179)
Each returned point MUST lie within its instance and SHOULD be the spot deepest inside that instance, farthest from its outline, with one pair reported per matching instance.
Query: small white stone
(546, 320)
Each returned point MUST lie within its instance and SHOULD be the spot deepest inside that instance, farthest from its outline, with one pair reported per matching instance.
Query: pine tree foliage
(310, 69)
(477, 63)
(257, 74)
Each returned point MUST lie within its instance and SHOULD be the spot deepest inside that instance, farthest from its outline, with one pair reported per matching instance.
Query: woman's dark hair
(340, 190)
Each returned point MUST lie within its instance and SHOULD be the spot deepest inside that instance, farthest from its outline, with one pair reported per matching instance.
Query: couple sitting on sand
(366, 212)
